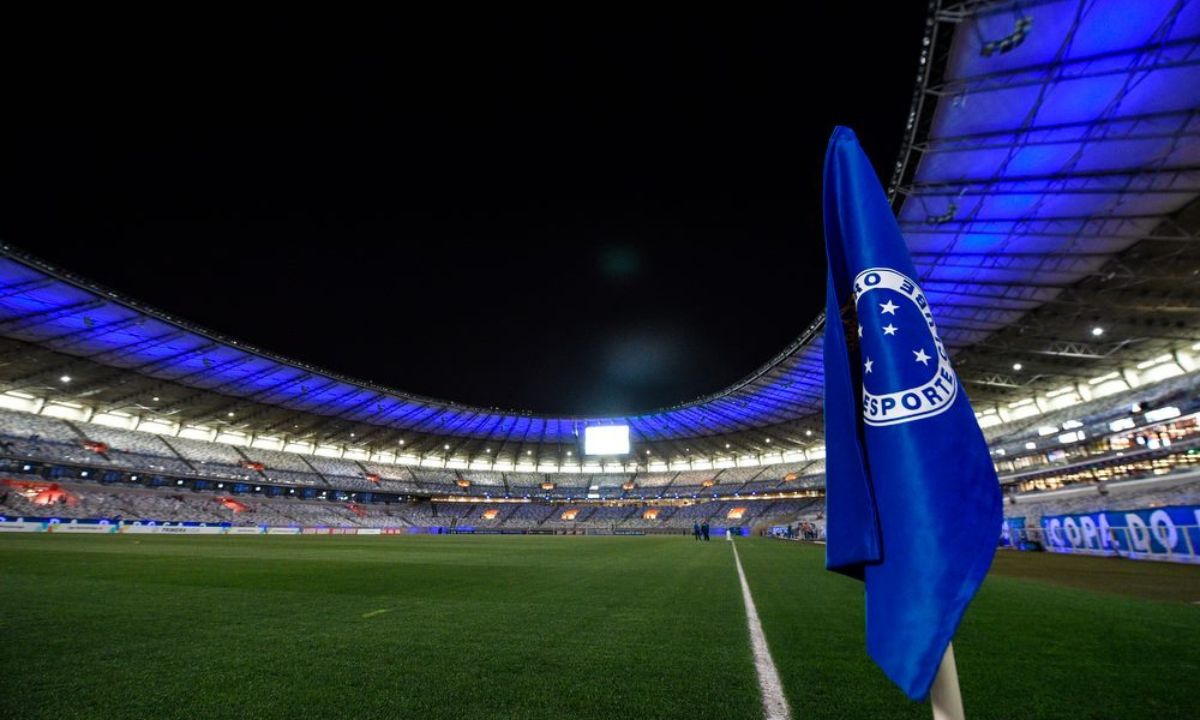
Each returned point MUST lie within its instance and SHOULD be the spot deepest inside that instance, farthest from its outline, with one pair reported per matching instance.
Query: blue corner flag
(913, 503)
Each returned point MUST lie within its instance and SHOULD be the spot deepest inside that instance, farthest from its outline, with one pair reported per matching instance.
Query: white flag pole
(945, 695)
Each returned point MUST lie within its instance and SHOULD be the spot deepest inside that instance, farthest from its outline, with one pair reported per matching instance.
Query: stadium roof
(1047, 188)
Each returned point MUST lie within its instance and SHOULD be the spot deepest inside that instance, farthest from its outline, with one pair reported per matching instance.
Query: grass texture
(550, 627)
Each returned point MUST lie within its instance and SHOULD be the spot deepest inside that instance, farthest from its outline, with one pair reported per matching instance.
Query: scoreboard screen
(606, 440)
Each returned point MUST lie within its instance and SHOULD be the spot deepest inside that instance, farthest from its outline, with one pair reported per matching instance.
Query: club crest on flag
(909, 447)
(906, 372)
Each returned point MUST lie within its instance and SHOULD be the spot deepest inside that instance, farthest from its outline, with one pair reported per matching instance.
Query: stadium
(193, 526)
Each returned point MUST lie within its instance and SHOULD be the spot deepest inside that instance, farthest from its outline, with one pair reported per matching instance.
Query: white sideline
(775, 706)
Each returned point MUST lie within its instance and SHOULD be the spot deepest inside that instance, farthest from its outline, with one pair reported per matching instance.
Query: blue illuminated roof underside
(1030, 165)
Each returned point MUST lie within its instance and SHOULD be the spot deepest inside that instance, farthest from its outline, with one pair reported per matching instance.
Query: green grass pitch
(551, 627)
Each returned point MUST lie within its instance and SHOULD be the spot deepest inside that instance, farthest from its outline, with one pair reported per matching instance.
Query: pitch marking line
(373, 613)
(775, 705)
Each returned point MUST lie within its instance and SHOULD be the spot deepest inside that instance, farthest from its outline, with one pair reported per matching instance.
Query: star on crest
(860, 330)
(868, 365)
(889, 329)
(888, 308)
(921, 357)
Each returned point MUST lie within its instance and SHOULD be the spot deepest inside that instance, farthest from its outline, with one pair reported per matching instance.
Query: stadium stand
(531, 515)
(692, 480)
(211, 458)
(140, 476)
(1161, 492)
(135, 449)
(23, 435)
(391, 478)
(485, 480)
(653, 480)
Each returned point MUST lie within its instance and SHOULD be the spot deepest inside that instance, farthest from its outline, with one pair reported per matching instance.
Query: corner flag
(913, 503)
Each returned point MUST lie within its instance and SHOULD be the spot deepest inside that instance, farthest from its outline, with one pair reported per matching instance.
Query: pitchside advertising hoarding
(57, 525)
(1012, 532)
(1166, 533)
(105, 526)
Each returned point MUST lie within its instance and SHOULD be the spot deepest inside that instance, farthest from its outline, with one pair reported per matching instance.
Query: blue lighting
(1040, 162)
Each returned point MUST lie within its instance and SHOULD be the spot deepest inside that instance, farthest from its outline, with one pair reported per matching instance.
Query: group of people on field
(700, 531)
(806, 531)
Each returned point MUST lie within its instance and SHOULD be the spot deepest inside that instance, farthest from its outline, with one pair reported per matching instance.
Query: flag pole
(945, 695)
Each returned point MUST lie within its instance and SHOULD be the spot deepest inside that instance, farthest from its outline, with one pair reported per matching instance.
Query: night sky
(584, 216)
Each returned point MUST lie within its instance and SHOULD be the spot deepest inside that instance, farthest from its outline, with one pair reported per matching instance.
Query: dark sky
(582, 216)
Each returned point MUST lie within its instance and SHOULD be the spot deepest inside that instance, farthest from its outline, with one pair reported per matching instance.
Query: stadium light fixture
(768, 440)
(1147, 364)
(65, 379)
(1097, 331)
(1161, 414)
(1067, 438)
(229, 414)
(1122, 424)
(1017, 366)
(808, 433)
(446, 447)
(401, 441)
(155, 398)
(351, 434)
(726, 446)
(1061, 391)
